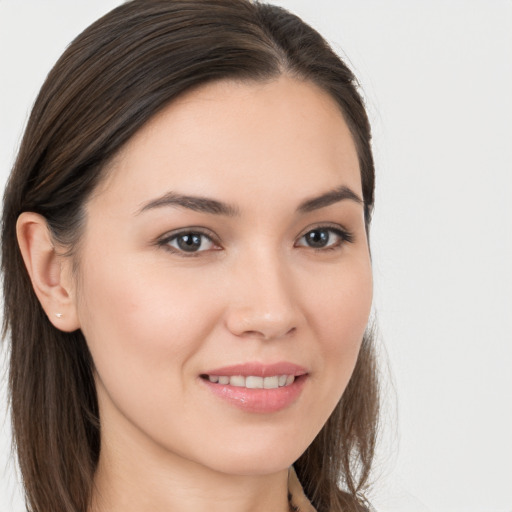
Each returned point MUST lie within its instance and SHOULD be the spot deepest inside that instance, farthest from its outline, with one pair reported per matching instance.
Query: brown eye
(324, 238)
(318, 238)
(190, 242)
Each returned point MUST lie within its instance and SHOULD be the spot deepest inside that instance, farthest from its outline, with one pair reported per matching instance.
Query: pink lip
(261, 401)
(259, 369)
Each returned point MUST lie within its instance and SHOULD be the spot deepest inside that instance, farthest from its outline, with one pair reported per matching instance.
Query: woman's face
(226, 249)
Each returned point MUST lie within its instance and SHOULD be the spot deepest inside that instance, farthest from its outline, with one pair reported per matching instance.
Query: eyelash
(344, 237)
(166, 241)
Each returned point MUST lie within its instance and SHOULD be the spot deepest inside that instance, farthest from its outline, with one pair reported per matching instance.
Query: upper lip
(258, 369)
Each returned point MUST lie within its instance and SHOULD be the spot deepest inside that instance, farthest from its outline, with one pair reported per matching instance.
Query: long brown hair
(111, 80)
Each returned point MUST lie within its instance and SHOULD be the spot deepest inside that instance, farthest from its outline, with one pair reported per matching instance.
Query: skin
(156, 318)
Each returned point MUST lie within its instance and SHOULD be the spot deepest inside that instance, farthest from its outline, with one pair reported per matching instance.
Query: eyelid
(163, 241)
(345, 235)
(326, 225)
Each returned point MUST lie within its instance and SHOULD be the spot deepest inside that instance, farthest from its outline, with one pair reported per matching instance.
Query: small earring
(58, 315)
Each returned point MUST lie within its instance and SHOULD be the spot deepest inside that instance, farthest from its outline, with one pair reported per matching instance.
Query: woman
(187, 274)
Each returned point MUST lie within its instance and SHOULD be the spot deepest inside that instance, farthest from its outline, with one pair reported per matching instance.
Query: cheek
(141, 326)
(341, 309)
(342, 300)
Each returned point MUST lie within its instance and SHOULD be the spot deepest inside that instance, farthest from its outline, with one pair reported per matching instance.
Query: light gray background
(437, 77)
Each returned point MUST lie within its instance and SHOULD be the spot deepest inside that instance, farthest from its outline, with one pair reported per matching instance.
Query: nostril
(262, 321)
(268, 334)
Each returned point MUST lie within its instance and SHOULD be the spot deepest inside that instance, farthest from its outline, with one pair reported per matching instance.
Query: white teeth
(237, 380)
(271, 382)
(254, 382)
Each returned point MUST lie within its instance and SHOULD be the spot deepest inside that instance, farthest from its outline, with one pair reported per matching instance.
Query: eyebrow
(333, 196)
(212, 206)
(198, 204)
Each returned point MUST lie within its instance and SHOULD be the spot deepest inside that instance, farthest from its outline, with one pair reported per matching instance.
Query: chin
(258, 455)
(250, 466)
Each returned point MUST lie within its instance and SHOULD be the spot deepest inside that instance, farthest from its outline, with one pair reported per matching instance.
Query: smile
(256, 387)
(253, 381)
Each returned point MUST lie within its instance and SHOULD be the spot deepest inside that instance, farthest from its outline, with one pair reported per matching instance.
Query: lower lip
(261, 401)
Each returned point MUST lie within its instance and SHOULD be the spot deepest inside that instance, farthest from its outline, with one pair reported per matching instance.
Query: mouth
(252, 381)
(257, 388)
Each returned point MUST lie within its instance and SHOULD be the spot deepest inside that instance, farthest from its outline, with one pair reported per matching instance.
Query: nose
(265, 304)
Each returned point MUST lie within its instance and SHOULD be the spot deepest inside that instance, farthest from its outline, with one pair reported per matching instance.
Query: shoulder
(298, 500)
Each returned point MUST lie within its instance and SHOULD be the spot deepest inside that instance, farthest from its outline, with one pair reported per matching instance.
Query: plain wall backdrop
(437, 77)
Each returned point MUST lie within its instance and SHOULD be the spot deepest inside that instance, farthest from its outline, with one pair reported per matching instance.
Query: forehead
(231, 138)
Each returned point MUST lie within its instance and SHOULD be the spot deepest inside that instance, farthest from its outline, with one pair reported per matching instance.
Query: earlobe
(49, 271)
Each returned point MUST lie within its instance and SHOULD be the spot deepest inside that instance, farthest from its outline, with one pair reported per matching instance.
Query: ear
(49, 271)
